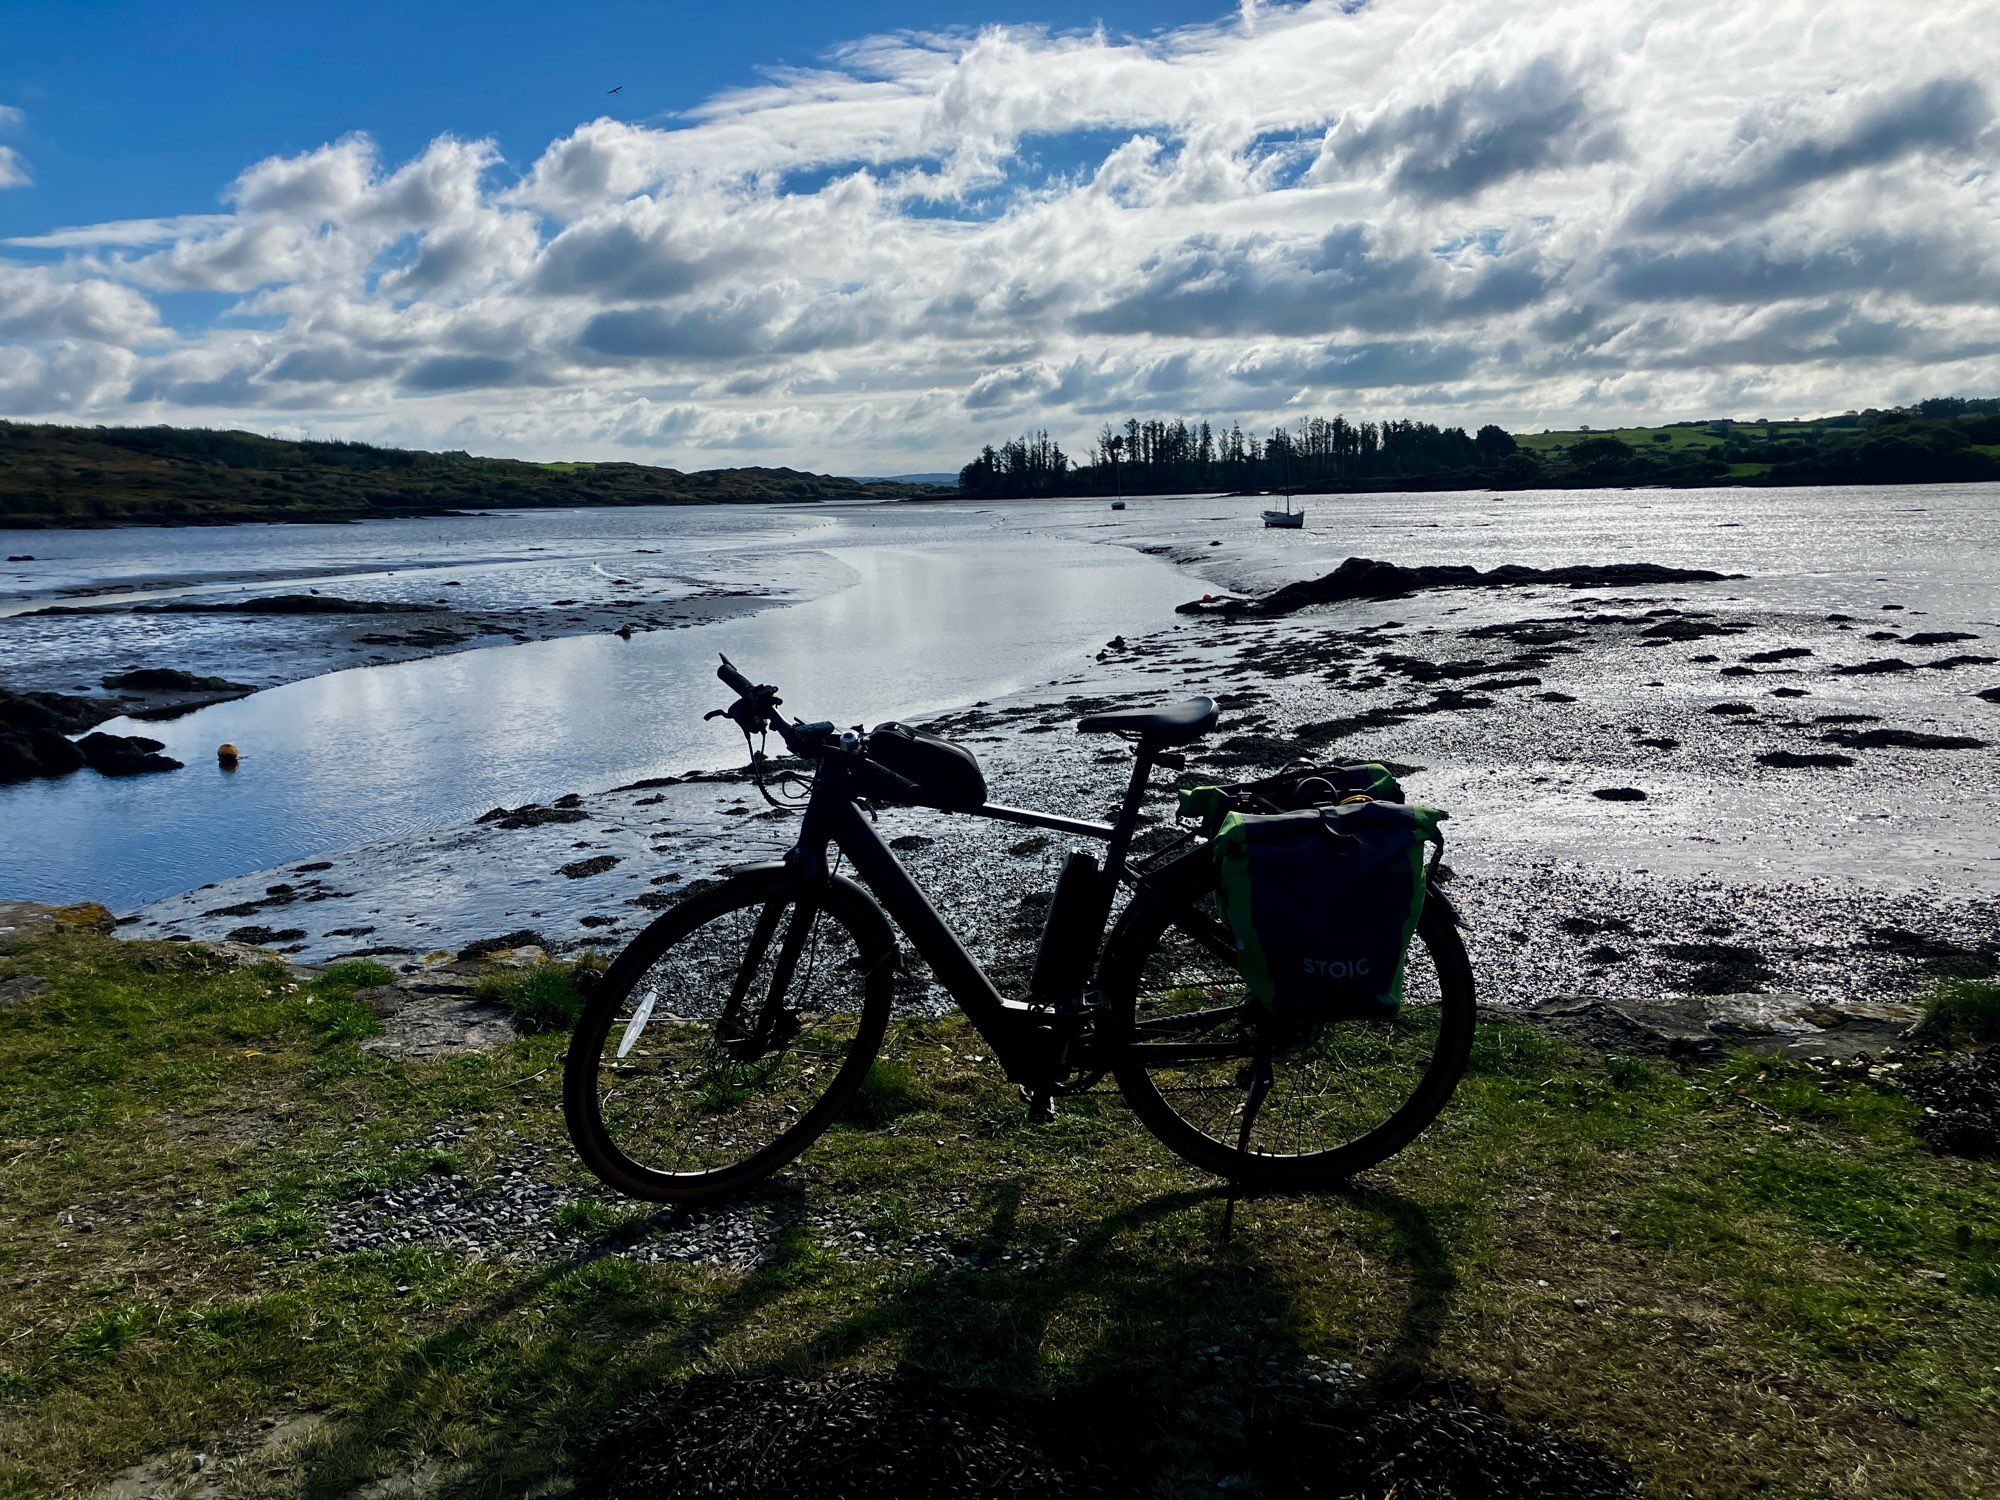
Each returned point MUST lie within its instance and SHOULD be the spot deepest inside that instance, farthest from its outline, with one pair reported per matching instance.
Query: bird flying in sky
(613, 91)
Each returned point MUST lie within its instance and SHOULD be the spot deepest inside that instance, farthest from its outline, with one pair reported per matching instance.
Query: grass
(541, 998)
(1747, 1278)
(1963, 1011)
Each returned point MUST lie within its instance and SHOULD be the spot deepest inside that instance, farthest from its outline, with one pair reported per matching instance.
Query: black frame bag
(1322, 902)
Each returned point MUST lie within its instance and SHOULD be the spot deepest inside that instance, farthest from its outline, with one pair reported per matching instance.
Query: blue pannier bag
(1321, 904)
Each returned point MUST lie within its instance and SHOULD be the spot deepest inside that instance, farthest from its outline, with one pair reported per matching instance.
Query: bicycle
(737, 1026)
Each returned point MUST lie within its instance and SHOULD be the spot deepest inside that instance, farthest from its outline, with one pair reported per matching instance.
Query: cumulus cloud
(1466, 208)
(1478, 134)
(13, 170)
(1775, 159)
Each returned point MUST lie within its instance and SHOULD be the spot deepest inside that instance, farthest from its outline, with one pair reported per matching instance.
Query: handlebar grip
(734, 680)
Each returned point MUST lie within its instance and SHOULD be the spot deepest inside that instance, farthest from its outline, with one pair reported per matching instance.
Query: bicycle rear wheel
(728, 1035)
(1344, 1095)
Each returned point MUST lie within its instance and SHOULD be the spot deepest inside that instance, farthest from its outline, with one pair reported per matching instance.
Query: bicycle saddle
(1175, 724)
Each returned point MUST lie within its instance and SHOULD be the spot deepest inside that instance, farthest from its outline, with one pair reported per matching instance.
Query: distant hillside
(1948, 438)
(100, 476)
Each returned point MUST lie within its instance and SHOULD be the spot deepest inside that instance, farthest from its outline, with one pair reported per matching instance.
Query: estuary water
(930, 609)
(870, 613)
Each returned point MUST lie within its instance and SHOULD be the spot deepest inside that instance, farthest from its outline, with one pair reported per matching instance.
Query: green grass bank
(1745, 1278)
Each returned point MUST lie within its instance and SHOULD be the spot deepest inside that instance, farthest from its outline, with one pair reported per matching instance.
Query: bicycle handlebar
(735, 680)
(756, 707)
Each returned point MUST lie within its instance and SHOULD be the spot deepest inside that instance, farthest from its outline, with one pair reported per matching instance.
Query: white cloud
(1454, 207)
(13, 170)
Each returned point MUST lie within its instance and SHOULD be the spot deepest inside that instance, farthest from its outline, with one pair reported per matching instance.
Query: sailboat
(1286, 517)
(1294, 519)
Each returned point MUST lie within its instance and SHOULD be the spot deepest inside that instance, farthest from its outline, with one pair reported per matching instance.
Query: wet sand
(1797, 803)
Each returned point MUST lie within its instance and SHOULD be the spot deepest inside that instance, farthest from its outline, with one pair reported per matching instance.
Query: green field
(1746, 1277)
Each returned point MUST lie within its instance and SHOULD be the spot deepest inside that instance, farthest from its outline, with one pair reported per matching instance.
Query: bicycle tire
(1134, 944)
(592, 1056)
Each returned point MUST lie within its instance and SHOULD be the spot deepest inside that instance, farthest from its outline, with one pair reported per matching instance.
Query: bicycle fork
(774, 1024)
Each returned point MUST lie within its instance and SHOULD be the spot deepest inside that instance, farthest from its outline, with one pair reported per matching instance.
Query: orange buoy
(226, 757)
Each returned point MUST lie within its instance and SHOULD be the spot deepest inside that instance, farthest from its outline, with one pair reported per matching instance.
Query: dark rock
(1366, 578)
(1796, 759)
(20, 557)
(1727, 709)
(526, 937)
(531, 815)
(1902, 739)
(1876, 668)
(172, 680)
(1781, 653)
(1689, 629)
(263, 937)
(1582, 926)
(293, 604)
(36, 752)
(125, 754)
(1555, 697)
(1619, 794)
(1719, 968)
(579, 869)
(1990, 695)
(1938, 637)
(61, 712)
(910, 842)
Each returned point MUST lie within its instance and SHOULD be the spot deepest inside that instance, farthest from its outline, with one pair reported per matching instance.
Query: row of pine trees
(1155, 456)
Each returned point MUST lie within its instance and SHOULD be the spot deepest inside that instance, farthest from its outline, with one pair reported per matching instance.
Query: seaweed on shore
(1368, 578)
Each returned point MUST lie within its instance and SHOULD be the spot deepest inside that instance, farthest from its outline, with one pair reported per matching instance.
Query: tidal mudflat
(1779, 781)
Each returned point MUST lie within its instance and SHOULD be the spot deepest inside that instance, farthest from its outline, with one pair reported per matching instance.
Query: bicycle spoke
(1331, 1084)
(750, 1019)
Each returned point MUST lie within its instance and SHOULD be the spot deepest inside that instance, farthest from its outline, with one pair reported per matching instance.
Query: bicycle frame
(1023, 1037)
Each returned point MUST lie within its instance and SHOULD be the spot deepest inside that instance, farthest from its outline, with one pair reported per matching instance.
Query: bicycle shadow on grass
(1147, 1310)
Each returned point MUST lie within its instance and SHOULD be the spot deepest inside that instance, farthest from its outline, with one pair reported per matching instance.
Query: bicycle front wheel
(1344, 1095)
(728, 1035)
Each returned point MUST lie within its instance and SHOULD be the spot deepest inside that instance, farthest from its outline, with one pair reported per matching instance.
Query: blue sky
(871, 239)
(142, 110)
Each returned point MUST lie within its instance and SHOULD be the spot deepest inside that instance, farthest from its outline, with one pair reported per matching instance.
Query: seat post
(1128, 813)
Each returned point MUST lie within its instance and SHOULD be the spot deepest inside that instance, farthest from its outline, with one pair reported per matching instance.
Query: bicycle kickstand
(1260, 1085)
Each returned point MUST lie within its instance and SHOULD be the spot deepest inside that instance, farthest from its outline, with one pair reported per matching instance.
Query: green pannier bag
(1321, 904)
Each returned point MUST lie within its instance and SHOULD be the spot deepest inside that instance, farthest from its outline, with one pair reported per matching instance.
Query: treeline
(1161, 457)
(97, 476)
(1948, 438)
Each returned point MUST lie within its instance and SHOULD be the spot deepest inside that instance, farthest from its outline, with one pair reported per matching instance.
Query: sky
(868, 239)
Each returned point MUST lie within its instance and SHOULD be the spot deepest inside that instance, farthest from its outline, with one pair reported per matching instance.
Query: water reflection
(381, 752)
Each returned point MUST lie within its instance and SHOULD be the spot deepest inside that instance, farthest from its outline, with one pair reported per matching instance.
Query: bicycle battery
(1069, 934)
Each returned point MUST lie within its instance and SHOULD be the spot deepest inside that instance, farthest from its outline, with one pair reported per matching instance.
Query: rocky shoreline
(1655, 795)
